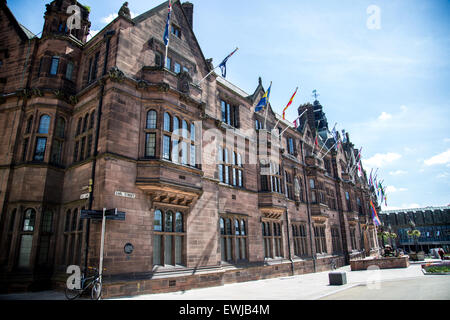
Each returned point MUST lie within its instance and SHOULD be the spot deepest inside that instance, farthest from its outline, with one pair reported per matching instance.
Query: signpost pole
(102, 244)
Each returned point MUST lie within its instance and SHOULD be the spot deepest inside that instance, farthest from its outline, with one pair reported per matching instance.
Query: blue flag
(264, 100)
(223, 64)
(166, 32)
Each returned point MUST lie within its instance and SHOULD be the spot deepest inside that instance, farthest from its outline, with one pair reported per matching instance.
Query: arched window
(44, 124)
(79, 126)
(243, 232)
(74, 220)
(157, 221)
(47, 219)
(178, 222)
(29, 219)
(184, 128)
(60, 127)
(176, 125)
(228, 226)
(222, 226)
(91, 121)
(167, 120)
(85, 122)
(168, 222)
(67, 226)
(236, 227)
(29, 124)
(192, 132)
(151, 119)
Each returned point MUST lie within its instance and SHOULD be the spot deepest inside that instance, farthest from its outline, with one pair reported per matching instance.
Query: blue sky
(389, 86)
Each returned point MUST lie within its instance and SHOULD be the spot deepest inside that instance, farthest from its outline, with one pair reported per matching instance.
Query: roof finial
(315, 94)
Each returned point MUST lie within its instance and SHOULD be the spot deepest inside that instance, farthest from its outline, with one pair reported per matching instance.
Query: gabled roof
(22, 32)
(162, 6)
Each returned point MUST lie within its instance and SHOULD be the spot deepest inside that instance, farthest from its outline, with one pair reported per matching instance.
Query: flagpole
(168, 35)
(267, 106)
(328, 151)
(198, 83)
(288, 126)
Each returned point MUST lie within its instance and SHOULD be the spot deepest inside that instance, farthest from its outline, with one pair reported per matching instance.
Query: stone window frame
(73, 234)
(272, 235)
(300, 240)
(23, 232)
(179, 136)
(229, 112)
(84, 136)
(229, 238)
(9, 231)
(353, 238)
(229, 167)
(275, 183)
(320, 239)
(58, 139)
(336, 240)
(42, 135)
(150, 130)
(163, 233)
(289, 185)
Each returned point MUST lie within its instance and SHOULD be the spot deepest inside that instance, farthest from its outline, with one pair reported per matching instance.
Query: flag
(370, 178)
(344, 136)
(335, 137)
(223, 64)
(166, 32)
(316, 142)
(375, 218)
(264, 100)
(290, 102)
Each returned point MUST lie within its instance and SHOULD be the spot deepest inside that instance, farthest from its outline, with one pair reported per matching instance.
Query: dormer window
(176, 31)
(54, 65)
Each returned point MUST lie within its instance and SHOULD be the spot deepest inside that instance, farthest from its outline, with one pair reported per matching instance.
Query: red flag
(290, 102)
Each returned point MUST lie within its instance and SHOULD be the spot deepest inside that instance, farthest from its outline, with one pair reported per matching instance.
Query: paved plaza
(389, 284)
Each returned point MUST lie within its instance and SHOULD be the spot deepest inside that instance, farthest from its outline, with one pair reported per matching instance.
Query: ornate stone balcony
(271, 202)
(319, 212)
(169, 183)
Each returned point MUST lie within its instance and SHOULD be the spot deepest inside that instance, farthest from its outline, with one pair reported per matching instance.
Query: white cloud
(92, 34)
(447, 140)
(112, 16)
(441, 158)
(392, 189)
(443, 175)
(380, 159)
(109, 18)
(385, 116)
(398, 172)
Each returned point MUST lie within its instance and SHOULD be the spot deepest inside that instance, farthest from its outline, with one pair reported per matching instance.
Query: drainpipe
(107, 36)
(308, 210)
(289, 241)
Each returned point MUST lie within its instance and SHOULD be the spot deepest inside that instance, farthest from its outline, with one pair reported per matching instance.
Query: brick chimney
(188, 9)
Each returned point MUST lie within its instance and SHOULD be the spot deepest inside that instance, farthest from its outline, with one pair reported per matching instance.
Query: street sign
(125, 194)
(84, 196)
(110, 214)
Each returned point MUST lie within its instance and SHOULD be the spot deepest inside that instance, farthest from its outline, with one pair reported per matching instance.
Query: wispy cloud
(385, 116)
(398, 172)
(441, 158)
(392, 189)
(381, 159)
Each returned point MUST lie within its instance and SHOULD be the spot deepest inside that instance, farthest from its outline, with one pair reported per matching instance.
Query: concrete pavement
(368, 284)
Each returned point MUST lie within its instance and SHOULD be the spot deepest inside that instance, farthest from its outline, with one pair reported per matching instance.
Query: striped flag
(223, 64)
(166, 32)
(375, 218)
(290, 102)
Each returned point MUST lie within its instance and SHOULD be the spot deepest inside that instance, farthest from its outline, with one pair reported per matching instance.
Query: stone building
(86, 125)
(432, 222)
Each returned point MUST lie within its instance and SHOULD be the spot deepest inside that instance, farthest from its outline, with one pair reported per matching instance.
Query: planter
(381, 263)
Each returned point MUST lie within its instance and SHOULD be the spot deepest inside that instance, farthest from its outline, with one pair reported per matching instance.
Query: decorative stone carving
(142, 84)
(184, 80)
(36, 92)
(59, 94)
(116, 75)
(73, 100)
(124, 11)
(163, 87)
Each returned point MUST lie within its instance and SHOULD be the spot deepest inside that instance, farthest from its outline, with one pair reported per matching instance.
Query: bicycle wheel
(96, 291)
(73, 293)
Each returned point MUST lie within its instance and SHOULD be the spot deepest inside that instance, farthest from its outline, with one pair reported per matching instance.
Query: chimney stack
(188, 9)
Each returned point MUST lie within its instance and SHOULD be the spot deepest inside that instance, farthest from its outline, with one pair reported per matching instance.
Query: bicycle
(87, 282)
(333, 264)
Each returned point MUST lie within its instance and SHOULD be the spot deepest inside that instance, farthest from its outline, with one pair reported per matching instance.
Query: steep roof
(23, 32)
